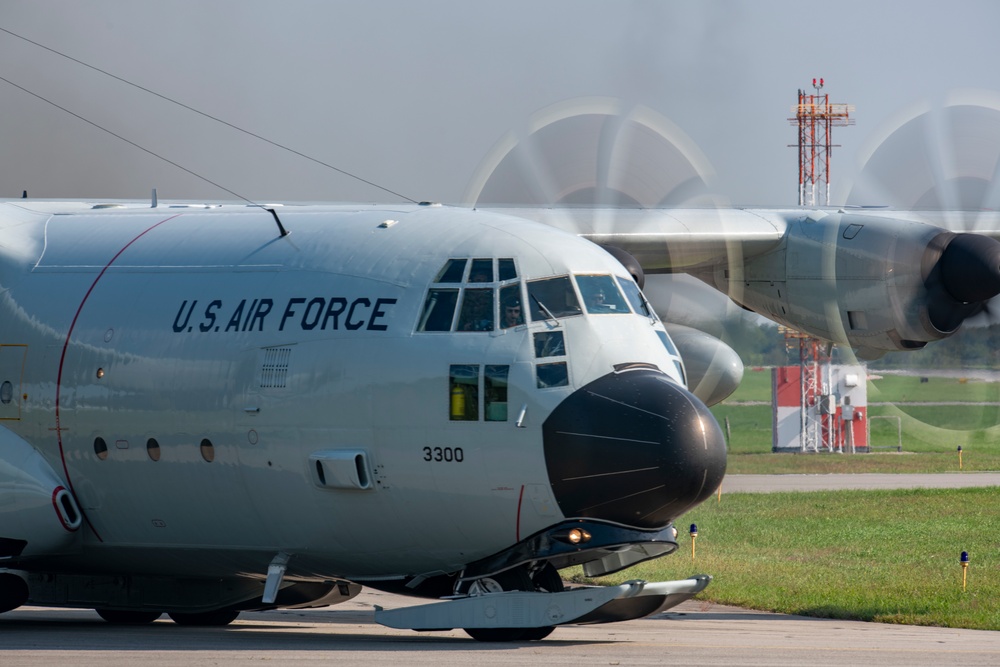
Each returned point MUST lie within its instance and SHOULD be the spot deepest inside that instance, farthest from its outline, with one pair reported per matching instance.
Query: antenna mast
(815, 116)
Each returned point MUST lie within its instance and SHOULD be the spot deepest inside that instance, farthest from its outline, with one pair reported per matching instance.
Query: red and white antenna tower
(815, 116)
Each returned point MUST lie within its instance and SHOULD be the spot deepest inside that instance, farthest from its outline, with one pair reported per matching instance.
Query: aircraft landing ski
(519, 609)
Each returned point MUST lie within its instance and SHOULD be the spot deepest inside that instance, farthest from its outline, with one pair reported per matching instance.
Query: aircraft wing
(876, 280)
(671, 240)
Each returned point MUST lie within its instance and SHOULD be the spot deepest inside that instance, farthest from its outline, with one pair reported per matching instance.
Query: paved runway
(694, 633)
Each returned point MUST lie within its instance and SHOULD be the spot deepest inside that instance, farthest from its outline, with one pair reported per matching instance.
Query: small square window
(552, 375)
(549, 344)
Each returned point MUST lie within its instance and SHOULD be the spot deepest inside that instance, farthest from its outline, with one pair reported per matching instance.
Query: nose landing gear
(543, 579)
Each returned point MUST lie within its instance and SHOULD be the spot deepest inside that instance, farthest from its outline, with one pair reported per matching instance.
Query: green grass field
(931, 434)
(889, 556)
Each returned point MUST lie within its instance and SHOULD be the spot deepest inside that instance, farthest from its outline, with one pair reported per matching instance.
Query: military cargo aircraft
(216, 408)
(205, 412)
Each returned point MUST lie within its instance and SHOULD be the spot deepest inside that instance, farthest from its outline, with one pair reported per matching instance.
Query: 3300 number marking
(446, 454)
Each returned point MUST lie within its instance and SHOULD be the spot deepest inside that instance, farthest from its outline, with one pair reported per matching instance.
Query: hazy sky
(416, 96)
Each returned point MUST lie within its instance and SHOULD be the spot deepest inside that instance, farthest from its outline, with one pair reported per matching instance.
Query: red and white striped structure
(819, 408)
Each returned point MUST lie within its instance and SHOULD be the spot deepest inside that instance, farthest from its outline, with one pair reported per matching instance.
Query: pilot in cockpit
(512, 315)
(596, 302)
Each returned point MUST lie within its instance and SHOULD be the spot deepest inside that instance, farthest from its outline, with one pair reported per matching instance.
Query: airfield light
(694, 535)
(965, 567)
(960, 461)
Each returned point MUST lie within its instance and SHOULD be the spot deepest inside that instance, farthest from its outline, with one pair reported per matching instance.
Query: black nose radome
(634, 448)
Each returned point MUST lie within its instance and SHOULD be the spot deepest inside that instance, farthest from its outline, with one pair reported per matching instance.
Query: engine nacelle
(38, 515)
(630, 263)
(713, 369)
(875, 284)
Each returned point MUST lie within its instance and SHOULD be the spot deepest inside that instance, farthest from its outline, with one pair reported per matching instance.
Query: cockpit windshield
(601, 295)
(635, 298)
(485, 294)
(552, 298)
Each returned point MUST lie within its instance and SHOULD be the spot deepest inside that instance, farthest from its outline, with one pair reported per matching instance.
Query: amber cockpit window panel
(463, 392)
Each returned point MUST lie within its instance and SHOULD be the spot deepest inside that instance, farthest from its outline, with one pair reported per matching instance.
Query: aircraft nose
(634, 448)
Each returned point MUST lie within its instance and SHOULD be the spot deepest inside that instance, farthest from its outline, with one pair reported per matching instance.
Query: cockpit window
(477, 310)
(495, 385)
(552, 375)
(672, 349)
(507, 270)
(601, 295)
(667, 343)
(552, 298)
(511, 312)
(549, 344)
(439, 310)
(482, 271)
(635, 298)
(470, 288)
(452, 271)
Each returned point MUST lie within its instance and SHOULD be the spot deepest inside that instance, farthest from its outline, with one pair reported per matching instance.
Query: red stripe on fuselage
(62, 358)
(517, 530)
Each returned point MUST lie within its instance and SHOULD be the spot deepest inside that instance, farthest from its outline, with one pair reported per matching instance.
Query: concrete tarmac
(695, 633)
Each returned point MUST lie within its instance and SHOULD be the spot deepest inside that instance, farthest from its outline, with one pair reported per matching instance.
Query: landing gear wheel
(516, 579)
(119, 617)
(208, 618)
(497, 634)
(546, 579)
